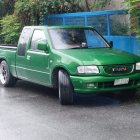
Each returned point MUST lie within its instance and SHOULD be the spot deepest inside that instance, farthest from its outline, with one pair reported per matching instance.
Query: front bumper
(90, 84)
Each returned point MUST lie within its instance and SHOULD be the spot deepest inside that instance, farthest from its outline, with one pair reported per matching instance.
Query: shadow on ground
(103, 99)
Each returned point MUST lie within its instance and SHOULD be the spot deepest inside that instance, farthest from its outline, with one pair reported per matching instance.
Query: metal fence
(113, 24)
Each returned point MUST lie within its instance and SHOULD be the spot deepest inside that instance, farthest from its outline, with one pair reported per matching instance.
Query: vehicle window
(93, 39)
(37, 35)
(76, 38)
(23, 41)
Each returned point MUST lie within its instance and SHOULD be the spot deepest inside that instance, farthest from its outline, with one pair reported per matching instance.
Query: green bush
(30, 12)
(134, 11)
(99, 4)
(119, 29)
(10, 29)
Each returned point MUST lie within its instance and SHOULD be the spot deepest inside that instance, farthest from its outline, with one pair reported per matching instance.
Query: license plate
(121, 81)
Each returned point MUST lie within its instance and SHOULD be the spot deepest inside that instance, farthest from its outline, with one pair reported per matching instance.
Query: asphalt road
(33, 112)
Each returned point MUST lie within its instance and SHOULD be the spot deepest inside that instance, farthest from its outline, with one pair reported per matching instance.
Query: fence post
(86, 20)
(64, 23)
(108, 25)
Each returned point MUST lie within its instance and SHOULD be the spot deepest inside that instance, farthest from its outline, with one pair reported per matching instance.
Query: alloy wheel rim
(3, 74)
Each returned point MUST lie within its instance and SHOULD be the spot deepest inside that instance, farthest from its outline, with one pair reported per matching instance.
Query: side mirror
(42, 45)
(111, 44)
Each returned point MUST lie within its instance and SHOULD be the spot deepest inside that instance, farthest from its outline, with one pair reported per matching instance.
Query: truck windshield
(76, 38)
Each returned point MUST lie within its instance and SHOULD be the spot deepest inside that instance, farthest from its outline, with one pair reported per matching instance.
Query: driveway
(32, 112)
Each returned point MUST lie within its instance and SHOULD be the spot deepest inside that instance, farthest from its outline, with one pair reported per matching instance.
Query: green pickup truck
(72, 59)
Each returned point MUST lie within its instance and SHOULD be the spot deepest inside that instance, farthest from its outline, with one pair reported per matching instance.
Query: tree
(33, 11)
(87, 5)
(19, 13)
(1, 4)
(134, 10)
(6, 7)
(10, 29)
(99, 4)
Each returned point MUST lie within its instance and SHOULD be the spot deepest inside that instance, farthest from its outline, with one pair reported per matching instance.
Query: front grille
(111, 84)
(118, 69)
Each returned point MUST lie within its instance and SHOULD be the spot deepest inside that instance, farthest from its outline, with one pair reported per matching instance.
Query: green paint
(38, 65)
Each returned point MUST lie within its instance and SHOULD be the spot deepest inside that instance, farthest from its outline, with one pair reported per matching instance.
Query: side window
(37, 35)
(23, 41)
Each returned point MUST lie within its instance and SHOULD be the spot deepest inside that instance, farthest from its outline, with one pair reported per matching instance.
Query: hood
(100, 56)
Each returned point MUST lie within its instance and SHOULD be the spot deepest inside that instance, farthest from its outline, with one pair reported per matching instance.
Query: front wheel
(6, 77)
(65, 88)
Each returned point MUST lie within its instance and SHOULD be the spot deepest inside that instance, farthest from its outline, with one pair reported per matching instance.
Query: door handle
(28, 57)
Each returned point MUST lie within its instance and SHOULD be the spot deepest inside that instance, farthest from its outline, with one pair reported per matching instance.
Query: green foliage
(119, 29)
(29, 12)
(134, 10)
(6, 7)
(59, 6)
(33, 11)
(99, 4)
(10, 29)
(1, 8)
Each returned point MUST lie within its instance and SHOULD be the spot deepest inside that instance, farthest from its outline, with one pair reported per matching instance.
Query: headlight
(138, 66)
(88, 69)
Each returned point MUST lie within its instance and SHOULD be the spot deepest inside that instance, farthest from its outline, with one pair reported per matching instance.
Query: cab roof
(56, 27)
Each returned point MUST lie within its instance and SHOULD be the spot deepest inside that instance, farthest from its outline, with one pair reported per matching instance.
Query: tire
(6, 79)
(65, 88)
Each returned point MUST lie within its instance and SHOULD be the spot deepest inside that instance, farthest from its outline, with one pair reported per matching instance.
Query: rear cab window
(23, 41)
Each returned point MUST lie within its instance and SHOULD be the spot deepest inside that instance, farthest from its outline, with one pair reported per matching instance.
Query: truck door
(38, 68)
(21, 62)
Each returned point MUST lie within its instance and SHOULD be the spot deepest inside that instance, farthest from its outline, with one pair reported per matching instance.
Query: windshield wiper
(80, 47)
(76, 48)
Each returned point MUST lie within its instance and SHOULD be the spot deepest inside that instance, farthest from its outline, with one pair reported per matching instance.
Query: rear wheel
(6, 78)
(65, 88)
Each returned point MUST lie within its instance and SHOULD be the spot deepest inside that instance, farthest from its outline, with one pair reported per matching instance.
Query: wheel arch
(9, 80)
(2, 59)
(54, 76)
